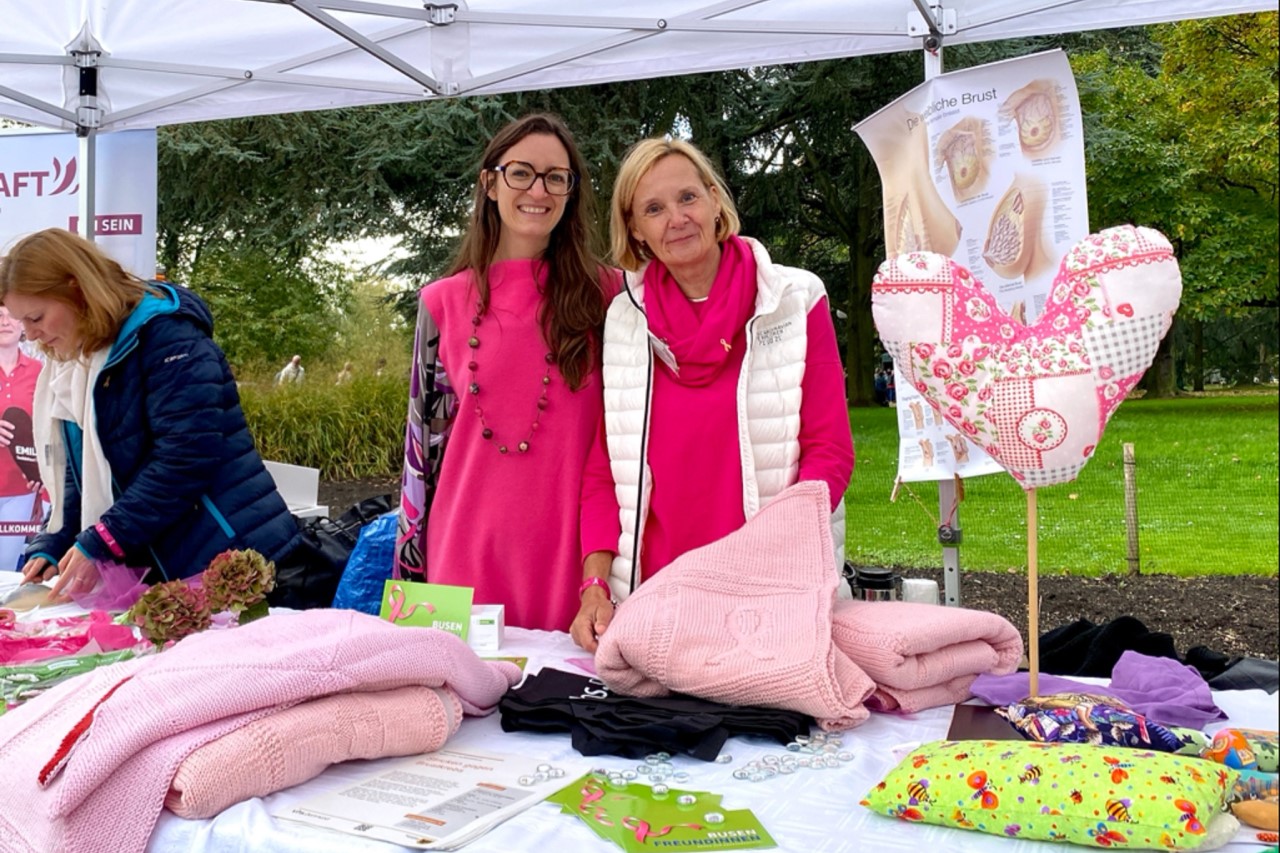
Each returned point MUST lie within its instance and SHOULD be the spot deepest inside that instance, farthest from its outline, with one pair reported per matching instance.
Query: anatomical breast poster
(984, 165)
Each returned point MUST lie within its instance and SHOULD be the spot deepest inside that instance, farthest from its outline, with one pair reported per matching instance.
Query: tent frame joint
(441, 14)
(931, 21)
(88, 113)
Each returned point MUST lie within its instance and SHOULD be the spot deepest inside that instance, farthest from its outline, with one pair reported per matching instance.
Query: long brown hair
(573, 306)
(56, 264)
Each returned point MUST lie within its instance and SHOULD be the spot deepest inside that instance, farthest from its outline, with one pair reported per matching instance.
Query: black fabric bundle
(1083, 648)
(601, 722)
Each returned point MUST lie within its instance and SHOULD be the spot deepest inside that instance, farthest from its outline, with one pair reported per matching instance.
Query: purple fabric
(1161, 689)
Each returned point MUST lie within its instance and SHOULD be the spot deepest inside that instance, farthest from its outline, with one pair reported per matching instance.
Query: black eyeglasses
(521, 176)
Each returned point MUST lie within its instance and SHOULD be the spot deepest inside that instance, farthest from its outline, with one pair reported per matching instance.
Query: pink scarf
(697, 334)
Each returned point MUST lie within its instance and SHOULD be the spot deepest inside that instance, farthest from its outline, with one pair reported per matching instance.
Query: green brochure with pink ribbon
(427, 605)
(641, 818)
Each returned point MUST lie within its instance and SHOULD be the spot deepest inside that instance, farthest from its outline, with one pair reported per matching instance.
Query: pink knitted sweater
(298, 743)
(88, 763)
(745, 620)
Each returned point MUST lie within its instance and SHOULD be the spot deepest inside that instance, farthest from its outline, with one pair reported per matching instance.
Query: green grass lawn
(1207, 497)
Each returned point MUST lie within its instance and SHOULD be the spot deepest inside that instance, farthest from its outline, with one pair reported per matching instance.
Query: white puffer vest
(768, 401)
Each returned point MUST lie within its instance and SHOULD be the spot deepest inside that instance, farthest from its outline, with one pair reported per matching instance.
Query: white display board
(40, 184)
(986, 166)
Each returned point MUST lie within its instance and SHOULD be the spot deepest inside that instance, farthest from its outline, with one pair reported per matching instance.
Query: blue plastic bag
(369, 567)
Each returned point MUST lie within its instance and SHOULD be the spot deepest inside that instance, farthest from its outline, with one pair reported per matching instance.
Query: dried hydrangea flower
(170, 611)
(237, 580)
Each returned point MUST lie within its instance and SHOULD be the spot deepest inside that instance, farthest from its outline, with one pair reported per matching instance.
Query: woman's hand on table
(37, 570)
(76, 573)
(594, 615)
(596, 611)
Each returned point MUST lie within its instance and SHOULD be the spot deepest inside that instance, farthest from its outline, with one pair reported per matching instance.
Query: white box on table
(488, 624)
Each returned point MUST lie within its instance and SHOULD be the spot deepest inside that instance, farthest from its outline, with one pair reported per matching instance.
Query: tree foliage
(1180, 128)
(266, 310)
(1188, 145)
(1191, 149)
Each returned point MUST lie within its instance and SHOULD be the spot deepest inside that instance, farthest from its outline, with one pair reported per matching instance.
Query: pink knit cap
(745, 620)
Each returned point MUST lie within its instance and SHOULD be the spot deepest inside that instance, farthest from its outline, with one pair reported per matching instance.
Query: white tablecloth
(813, 811)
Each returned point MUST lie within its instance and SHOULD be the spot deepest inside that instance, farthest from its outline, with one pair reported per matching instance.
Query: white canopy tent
(101, 65)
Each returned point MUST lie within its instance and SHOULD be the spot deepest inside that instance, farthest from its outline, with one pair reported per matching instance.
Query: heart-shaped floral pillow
(1036, 398)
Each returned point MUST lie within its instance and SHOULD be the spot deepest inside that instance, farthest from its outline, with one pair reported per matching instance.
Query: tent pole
(948, 495)
(88, 183)
(88, 120)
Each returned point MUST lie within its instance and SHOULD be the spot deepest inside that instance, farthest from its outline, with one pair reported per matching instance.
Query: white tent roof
(169, 61)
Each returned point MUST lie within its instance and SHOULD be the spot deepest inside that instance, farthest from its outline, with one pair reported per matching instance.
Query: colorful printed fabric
(1097, 796)
(1254, 785)
(1245, 749)
(1087, 718)
(432, 406)
(1036, 398)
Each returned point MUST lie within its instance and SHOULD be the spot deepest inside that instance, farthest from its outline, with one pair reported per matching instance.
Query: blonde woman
(139, 433)
(722, 381)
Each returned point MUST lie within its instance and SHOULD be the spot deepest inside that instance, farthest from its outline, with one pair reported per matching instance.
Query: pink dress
(507, 524)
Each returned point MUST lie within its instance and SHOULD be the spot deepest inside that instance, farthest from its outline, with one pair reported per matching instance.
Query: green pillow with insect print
(1100, 796)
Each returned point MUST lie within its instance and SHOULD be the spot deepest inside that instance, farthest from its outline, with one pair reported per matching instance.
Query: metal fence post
(1131, 507)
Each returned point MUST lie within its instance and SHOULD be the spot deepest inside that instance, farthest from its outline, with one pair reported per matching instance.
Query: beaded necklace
(473, 388)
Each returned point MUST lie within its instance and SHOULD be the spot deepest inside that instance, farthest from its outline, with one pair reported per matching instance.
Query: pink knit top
(694, 456)
(507, 525)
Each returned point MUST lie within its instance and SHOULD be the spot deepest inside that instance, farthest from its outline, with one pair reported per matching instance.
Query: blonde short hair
(56, 264)
(628, 253)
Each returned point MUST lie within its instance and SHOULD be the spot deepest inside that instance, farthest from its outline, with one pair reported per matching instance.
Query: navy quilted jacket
(187, 480)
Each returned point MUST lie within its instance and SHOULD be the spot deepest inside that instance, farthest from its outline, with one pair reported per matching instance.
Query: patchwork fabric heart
(1036, 398)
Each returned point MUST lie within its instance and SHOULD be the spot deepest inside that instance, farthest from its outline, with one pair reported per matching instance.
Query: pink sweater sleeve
(826, 442)
(599, 527)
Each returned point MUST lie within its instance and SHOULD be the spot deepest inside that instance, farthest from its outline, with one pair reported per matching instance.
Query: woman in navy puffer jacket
(139, 433)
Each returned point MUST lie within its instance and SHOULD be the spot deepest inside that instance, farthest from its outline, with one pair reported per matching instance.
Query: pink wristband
(590, 582)
(110, 540)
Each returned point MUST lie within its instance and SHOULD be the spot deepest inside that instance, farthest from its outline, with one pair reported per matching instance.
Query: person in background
(293, 372)
(722, 382)
(345, 374)
(505, 385)
(140, 437)
(18, 375)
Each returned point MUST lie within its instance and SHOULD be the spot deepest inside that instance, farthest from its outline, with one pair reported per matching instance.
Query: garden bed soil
(1233, 614)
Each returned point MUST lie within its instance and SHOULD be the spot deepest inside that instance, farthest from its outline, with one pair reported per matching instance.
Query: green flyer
(637, 819)
(427, 605)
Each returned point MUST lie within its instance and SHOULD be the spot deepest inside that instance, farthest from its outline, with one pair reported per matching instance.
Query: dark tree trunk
(1197, 355)
(860, 332)
(1161, 379)
(860, 328)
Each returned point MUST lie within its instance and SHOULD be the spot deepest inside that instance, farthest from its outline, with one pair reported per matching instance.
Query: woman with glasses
(140, 438)
(722, 380)
(504, 395)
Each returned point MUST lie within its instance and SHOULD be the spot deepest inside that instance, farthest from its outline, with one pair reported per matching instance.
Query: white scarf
(64, 392)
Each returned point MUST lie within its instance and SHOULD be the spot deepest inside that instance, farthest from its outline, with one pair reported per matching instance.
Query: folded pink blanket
(745, 620)
(298, 743)
(922, 655)
(88, 764)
